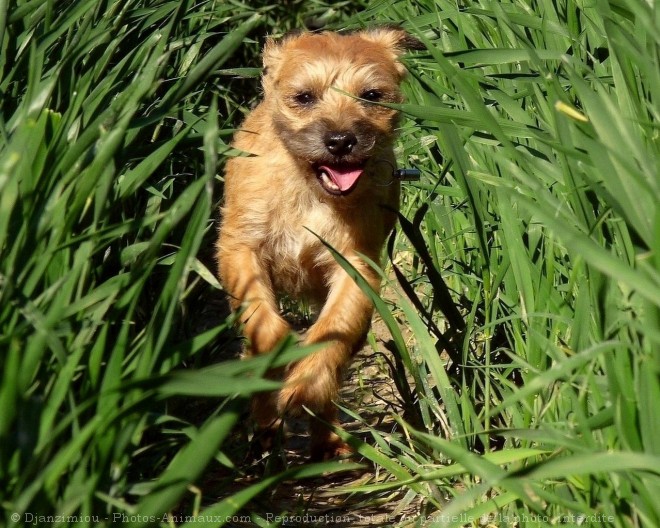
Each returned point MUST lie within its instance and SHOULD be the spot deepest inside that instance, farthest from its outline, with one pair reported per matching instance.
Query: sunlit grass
(535, 131)
(528, 259)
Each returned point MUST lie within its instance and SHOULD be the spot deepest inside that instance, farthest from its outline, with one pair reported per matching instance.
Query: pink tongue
(343, 177)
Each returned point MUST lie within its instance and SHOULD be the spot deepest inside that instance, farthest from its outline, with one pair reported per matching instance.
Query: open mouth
(340, 178)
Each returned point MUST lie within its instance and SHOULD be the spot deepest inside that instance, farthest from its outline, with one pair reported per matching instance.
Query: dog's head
(321, 88)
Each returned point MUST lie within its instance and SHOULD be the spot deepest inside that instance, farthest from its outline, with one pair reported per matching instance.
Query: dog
(320, 168)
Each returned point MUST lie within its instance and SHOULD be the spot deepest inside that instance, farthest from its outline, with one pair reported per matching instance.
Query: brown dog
(321, 166)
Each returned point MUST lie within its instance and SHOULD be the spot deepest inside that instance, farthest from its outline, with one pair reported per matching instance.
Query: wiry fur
(275, 209)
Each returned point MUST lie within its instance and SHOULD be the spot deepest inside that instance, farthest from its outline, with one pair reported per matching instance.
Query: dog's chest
(299, 261)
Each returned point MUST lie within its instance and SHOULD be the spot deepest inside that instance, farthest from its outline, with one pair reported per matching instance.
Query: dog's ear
(392, 37)
(271, 60)
(272, 56)
(274, 48)
(272, 53)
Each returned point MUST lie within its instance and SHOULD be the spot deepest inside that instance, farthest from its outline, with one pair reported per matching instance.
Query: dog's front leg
(251, 293)
(314, 381)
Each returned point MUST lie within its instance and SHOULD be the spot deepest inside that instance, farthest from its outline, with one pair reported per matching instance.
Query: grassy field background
(526, 265)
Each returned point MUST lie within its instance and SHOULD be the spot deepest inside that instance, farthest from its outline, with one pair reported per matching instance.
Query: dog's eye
(372, 95)
(304, 98)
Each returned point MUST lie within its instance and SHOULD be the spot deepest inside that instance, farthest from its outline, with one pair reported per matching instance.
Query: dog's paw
(308, 384)
(330, 448)
(265, 334)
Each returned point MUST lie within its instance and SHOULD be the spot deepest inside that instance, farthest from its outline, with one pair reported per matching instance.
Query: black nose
(340, 143)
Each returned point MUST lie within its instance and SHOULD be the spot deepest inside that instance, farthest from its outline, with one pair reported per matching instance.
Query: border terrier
(320, 167)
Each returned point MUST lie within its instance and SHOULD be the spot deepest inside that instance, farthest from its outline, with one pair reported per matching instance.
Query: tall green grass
(532, 286)
(109, 142)
(536, 126)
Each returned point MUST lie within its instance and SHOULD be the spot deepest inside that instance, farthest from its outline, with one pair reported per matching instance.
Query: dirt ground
(370, 391)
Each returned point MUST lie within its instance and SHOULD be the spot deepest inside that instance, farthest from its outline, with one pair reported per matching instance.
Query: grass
(527, 262)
